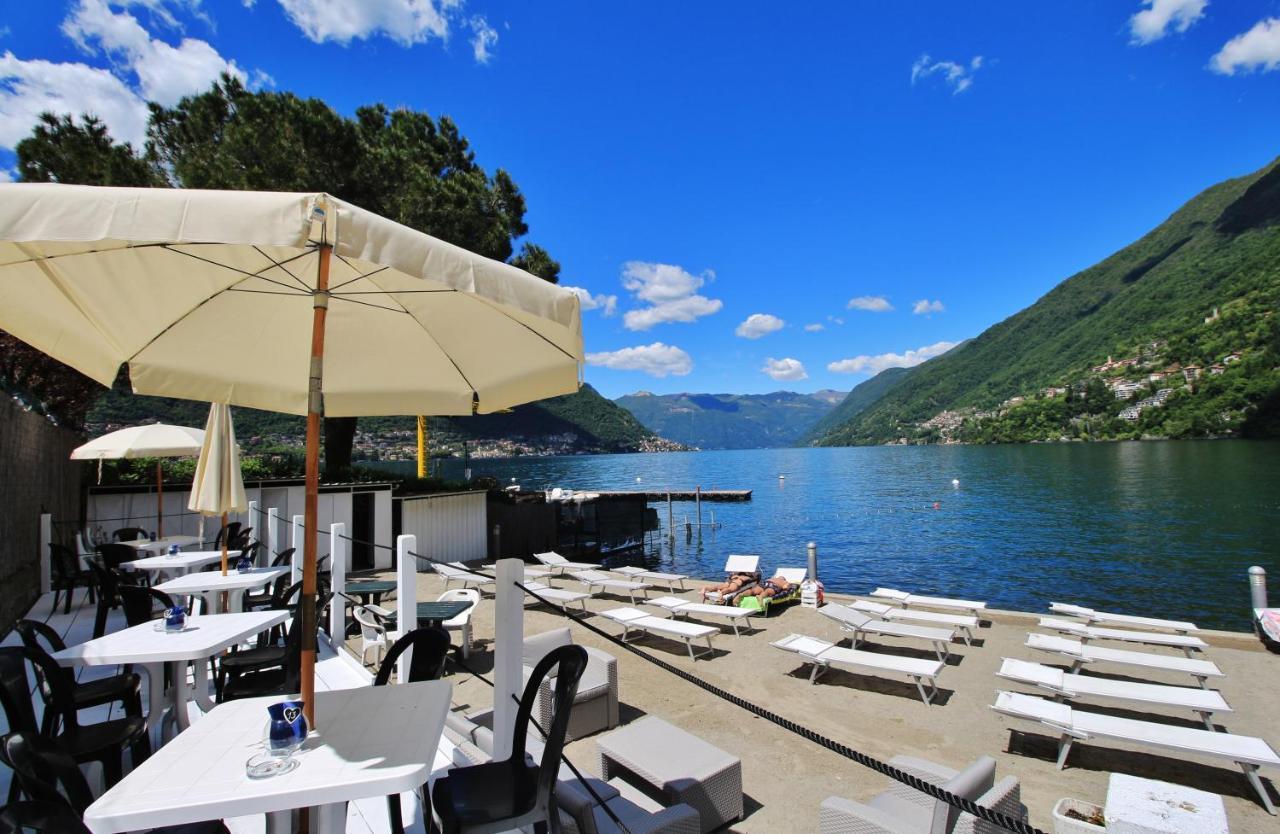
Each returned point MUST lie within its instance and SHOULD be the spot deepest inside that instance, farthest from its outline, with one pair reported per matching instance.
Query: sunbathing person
(769, 588)
(727, 589)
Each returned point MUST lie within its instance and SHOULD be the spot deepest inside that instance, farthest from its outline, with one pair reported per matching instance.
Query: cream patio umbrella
(155, 440)
(298, 303)
(218, 485)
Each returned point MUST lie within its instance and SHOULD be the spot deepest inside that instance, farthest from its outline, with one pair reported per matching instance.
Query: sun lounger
(631, 618)
(794, 577)
(1073, 725)
(1151, 638)
(960, 622)
(563, 597)
(907, 600)
(559, 564)
(1079, 654)
(1072, 685)
(1106, 619)
(826, 655)
(860, 624)
(738, 563)
(594, 579)
(530, 572)
(674, 581)
(458, 573)
(677, 607)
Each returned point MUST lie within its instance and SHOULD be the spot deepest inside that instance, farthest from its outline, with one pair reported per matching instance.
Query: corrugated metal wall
(450, 527)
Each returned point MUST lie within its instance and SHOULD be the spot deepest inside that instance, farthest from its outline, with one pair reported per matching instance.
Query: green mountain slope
(1219, 251)
(580, 422)
(863, 396)
(731, 421)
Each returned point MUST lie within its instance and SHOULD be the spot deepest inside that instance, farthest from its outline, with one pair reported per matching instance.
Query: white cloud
(483, 39)
(870, 303)
(784, 369)
(29, 88)
(670, 292)
(6, 175)
(959, 77)
(759, 324)
(1257, 49)
(836, 320)
(814, 328)
(924, 307)
(872, 365)
(407, 22)
(1154, 22)
(606, 304)
(656, 359)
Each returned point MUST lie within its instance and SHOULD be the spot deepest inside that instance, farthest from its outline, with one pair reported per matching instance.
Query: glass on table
(283, 736)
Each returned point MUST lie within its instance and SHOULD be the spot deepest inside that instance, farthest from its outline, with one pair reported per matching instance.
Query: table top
(205, 635)
(1136, 804)
(662, 752)
(360, 750)
(183, 560)
(147, 544)
(370, 586)
(205, 581)
(440, 610)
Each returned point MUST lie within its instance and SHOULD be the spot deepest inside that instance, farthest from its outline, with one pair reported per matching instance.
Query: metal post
(406, 597)
(697, 500)
(273, 533)
(295, 541)
(338, 577)
(508, 639)
(671, 527)
(1258, 587)
(46, 556)
(813, 561)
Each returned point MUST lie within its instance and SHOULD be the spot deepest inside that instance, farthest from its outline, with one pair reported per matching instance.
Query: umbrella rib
(343, 297)
(244, 272)
(300, 282)
(386, 292)
(358, 277)
(527, 327)
(80, 254)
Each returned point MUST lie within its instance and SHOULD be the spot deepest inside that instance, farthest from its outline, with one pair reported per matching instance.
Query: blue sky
(750, 197)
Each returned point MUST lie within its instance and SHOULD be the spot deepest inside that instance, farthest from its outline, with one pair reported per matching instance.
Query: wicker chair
(595, 707)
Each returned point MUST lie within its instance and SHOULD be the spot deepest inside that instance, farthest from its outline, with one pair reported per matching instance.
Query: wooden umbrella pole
(159, 500)
(224, 544)
(315, 407)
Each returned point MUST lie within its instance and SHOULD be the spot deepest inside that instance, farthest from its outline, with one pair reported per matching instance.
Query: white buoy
(782, 477)
(637, 479)
(955, 482)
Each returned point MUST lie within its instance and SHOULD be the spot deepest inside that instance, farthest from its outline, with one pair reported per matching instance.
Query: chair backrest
(370, 627)
(793, 575)
(283, 599)
(569, 663)
(114, 554)
(283, 558)
(229, 533)
(128, 534)
(240, 539)
(15, 688)
(459, 595)
(82, 544)
(64, 563)
(24, 817)
(33, 632)
(430, 645)
(970, 783)
(45, 771)
(140, 603)
(108, 594)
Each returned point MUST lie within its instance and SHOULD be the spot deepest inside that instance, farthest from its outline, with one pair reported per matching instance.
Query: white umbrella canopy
(218, 486)
(299, 303)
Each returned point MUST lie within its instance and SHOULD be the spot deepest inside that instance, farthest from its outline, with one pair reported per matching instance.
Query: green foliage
(60, 149)
(862, 397)
(537, 261)
(1220, 250)
(730, 421)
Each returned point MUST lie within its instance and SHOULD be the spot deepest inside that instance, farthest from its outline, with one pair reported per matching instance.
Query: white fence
(449, 526)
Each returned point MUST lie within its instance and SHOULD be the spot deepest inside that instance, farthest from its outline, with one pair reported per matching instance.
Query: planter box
(1062, 824)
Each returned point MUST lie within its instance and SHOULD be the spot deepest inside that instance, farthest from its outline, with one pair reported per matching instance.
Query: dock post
(497, 542)
(1258, 587)
(697, 500)
(813, 561)
(46, 555)
(671, 527)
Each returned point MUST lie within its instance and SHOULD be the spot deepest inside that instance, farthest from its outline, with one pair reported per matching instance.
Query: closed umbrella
(299, 303)
(218, 486)
(156, 440)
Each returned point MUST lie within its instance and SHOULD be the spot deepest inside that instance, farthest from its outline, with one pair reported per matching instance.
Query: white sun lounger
(859, 624)
(737, 563)
(1150, 638)
(825, 655)
(677, 607)
(565, 598)
(1104, 618)
(458, 573)
(961, 622)
(1072, 685)
(594, 579)
(907, 600)
(559, 564)
(674, 581)
(1079, 654)
(1073, 725)
(631, 618)
(530, 572)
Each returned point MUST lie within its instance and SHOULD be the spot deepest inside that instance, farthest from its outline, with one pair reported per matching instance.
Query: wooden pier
(718, 495)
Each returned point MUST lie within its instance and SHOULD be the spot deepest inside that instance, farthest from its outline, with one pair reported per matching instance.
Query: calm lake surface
(1164, 529)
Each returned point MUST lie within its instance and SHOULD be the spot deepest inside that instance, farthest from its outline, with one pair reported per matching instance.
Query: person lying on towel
(771, 587)
(730, 587)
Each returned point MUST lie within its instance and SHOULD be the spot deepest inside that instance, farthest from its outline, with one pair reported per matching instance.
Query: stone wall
(36, 475)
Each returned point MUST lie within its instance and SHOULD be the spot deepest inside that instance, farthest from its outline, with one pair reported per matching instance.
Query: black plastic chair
(112, 556)
(500, 796)
(58, 790)
(67, 575)
(125, 688)
(228, 532)
(430, 647)
(25, 817)
(129, 534)
(140, 603)
(281, 678)
(108, 582)
(103, 742)
(240, 539)
(284, 558)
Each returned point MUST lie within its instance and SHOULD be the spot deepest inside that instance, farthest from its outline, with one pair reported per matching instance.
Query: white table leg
(332, 818)
(155, 694)
(280, 822)
(202, 685)
(235, 601)
(181, 694)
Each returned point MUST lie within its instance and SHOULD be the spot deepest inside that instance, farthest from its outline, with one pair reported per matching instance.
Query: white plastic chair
(373, 635)
(462, 622)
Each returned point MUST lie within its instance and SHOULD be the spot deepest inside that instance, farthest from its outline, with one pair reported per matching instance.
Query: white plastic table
(162, 545)
(210, 584)
(142, 645)
(184, 562)
(372, 741)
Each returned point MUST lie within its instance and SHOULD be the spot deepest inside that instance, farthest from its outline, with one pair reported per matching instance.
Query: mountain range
(732, 421)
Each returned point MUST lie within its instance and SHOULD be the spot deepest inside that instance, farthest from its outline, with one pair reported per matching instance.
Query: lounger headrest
(740, 563)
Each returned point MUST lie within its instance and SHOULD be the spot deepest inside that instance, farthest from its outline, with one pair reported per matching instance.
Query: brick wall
(36, 475)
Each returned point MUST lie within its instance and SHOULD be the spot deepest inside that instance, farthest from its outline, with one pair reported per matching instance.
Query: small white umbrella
(218, 487)
(156, 440)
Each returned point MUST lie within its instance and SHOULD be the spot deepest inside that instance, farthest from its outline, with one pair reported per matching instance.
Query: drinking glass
(285, 732)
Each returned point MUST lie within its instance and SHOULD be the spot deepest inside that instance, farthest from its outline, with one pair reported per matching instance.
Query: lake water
(1163, 529)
